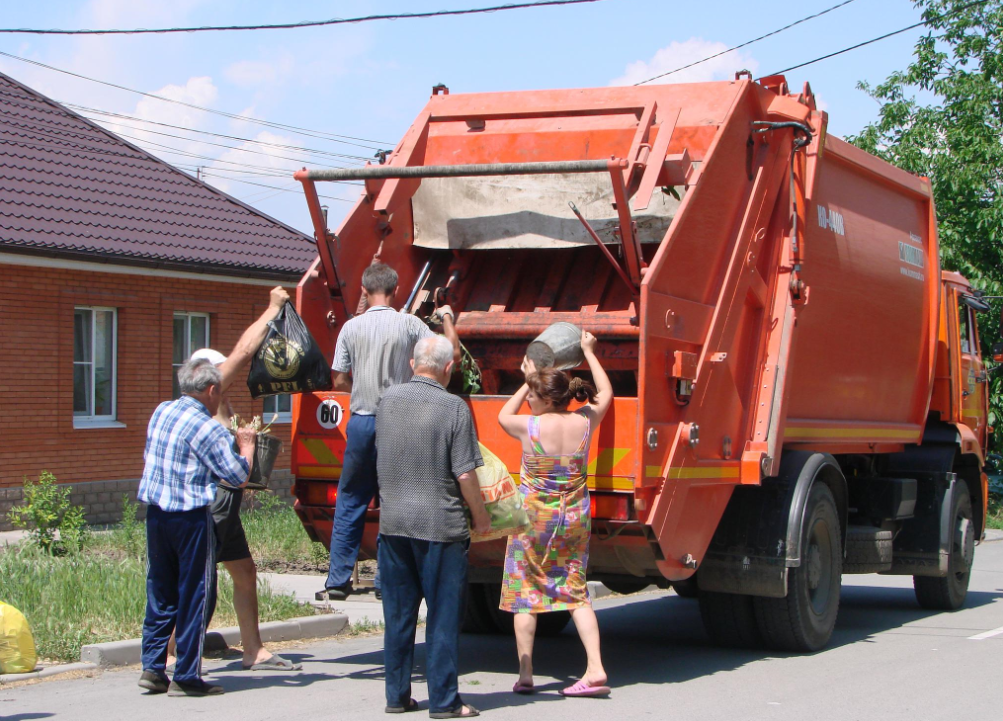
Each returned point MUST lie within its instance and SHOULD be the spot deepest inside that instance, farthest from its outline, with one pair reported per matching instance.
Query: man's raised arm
(252, 338)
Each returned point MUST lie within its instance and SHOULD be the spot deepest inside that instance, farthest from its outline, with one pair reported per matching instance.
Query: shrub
(47, 512)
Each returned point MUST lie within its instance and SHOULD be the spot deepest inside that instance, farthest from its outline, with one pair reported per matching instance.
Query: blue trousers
(356, 490)
(413, 569)
(181, 569)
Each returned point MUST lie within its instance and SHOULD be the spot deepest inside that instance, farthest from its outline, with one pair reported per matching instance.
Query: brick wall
(36, 377)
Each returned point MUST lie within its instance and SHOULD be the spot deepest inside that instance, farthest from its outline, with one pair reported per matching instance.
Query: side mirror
(975, 303)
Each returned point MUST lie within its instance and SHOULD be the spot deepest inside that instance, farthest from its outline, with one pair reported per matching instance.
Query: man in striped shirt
(186, 452)
(373, 353)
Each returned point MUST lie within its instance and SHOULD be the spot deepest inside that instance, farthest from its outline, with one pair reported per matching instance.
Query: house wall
(36, 380)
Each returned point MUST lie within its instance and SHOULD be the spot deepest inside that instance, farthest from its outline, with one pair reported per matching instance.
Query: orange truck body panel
(795, 301)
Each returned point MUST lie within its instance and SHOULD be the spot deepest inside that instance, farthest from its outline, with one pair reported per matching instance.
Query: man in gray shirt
(427, 452)
(372, 354)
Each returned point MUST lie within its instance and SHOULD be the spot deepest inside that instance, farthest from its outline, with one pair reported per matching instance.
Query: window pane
(285, 403)
(175, 388)
(81, 389)
(104, 363)
(199, 333)
(963, 329)
(81, 335)
(179, 355)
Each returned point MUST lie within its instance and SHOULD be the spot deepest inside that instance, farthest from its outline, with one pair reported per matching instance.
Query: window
(282, 404)
(94, 351)
(963, 328)
(191, 332)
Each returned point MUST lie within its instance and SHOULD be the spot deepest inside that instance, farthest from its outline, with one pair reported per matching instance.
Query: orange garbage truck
(799, 387)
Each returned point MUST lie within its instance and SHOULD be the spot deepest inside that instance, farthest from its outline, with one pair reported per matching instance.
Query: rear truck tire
(949, 593)
(626, 587)
(868, 550)
(803, 620)
(483, 615)
(730, 619)
(687, 588)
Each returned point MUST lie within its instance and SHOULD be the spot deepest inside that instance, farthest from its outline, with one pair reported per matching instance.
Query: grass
(994, 519)
(99, 593)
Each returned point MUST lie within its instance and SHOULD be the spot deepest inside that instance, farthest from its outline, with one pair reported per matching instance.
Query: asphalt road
(887, 660)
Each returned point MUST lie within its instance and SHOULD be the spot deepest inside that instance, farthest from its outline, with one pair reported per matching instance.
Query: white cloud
(265, 157)
(678, 54)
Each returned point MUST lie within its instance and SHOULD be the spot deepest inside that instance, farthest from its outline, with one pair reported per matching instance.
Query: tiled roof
(70, 188)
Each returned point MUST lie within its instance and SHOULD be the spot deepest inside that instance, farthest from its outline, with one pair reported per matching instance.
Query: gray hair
(379, 278)
(433, 353)
(197, 375)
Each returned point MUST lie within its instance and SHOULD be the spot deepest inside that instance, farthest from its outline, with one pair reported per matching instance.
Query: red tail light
(317, 493)
(611, 506)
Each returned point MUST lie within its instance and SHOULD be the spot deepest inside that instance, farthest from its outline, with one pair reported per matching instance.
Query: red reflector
(318, 493)
(612, 506)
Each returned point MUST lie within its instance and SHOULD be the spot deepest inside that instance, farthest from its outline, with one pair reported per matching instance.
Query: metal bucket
(266, 449)
(560, 347)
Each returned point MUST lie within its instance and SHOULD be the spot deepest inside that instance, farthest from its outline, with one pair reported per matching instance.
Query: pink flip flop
(523, 688)
(582, 689)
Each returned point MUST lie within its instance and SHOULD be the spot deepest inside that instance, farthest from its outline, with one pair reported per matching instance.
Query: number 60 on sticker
(329, 414)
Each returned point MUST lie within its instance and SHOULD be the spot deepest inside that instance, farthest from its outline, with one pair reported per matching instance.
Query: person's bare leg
(245, 604)
(588, 630)
(172, 650)
(525, 632)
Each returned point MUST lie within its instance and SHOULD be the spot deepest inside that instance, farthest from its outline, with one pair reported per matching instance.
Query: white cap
(213, 356)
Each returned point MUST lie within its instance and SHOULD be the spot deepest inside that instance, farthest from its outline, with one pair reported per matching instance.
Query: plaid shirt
(187, 454)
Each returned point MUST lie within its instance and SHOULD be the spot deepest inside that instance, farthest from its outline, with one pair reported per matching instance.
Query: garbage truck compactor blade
(799, 387)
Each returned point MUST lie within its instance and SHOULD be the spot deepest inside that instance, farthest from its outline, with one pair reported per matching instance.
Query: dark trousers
(181, 566)
(413, 569)
(356, 490)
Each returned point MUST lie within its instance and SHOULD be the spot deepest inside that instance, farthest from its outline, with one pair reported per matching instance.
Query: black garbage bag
(289, 360)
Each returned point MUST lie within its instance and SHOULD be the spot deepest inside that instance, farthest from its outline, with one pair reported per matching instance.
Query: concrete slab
(46, 672)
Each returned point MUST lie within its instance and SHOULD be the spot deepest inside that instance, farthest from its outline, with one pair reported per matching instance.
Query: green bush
(47, 512)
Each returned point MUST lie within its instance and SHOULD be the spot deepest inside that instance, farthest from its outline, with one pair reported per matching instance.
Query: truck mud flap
(759, 535)
(923, 546)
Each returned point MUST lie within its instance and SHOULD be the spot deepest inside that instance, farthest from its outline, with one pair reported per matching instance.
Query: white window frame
(187, 315)
(284, 416)
(108, 420)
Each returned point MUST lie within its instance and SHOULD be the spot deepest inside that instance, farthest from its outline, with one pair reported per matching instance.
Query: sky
(366, 83)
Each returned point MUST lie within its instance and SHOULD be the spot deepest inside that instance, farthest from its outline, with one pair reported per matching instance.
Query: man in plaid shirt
(186, 452)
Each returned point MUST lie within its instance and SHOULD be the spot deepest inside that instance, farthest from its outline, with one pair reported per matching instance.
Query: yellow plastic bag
(502, 499)
(17, 647)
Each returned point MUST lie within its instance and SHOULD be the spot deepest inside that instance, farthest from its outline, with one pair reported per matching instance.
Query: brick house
(114, 267)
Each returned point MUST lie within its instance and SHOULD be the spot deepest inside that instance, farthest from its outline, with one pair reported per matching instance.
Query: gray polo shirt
(377, 347)
(425, 440)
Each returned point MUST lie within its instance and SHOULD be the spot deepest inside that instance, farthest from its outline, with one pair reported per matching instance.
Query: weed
(47, 512)
(994, 519)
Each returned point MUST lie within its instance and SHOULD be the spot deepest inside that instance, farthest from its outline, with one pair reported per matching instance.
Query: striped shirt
(377, 347)
(187, 454)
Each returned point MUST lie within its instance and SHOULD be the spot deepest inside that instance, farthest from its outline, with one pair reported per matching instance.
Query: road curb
(126, 653)
(993, 534)
(46, 672)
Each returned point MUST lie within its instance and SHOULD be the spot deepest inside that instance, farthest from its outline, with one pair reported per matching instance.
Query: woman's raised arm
(604, 388)
(508, 417)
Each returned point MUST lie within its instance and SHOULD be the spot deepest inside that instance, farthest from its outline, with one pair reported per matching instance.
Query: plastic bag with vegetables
(502, 499)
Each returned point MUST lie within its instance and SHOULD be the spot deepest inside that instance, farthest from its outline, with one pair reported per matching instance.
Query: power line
(749, 42)
(372, 144)
(305, 24)
(273, 187)
(881, 37)
(266, 143)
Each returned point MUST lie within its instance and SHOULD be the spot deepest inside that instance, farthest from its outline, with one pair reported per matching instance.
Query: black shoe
(379, 594)
(154, 682)
(197, 688)
(338, 593)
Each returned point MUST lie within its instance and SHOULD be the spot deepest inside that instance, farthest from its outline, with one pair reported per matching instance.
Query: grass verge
(95, 596)
(994, 519)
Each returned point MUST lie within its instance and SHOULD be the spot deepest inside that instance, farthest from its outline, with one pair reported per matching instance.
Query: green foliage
(130, 534)
(53, 523)
(470, 371)
(942, 117)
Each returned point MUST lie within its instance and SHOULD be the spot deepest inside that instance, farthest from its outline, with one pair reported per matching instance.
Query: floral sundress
(545, 568)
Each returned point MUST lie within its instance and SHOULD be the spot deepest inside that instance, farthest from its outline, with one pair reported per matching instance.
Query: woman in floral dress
(545, 568)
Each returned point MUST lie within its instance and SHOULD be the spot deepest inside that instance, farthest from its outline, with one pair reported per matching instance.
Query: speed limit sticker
(329, 414)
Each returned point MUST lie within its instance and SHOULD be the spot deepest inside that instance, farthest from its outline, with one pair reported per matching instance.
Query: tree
(953, 134)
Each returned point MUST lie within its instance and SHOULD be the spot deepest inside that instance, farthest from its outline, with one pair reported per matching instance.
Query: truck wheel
(479, 617)
(949, 593)
(625, 588)
(687, 588)
(729, 619)
(803, 620)
(868, 550)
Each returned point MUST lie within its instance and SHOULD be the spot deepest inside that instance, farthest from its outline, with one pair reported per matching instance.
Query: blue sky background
(369, 81)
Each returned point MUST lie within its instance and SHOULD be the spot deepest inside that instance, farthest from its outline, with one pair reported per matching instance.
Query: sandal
(274, 663)
(412, 705)
(523, 688)
(583, 690)
(458, 713)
